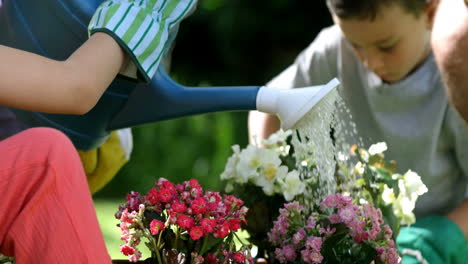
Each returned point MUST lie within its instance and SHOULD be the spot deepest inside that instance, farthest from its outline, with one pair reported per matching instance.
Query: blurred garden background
(225, 42)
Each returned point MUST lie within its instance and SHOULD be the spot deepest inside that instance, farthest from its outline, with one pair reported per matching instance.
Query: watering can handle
(165, 99)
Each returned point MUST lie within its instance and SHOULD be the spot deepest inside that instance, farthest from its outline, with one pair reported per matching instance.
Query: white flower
(359, 168)
(276, 138)
(377, 148)
(403, 208)
(292, 185)
(230, 168)
(388, 196)
(249, 162)
(270, 177)
(413, 184)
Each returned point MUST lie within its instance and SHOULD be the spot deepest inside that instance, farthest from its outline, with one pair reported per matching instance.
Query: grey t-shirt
(422, 131)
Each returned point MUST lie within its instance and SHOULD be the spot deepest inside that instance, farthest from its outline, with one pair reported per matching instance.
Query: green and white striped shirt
(142, 28)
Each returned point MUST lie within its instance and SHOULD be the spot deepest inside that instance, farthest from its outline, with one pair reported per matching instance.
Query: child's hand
(142, 28)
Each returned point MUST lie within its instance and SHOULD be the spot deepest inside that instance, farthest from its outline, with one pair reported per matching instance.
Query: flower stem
(205, 241)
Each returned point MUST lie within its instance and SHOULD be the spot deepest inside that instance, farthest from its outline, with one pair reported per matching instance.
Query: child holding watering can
(45, 201)
(380, 51)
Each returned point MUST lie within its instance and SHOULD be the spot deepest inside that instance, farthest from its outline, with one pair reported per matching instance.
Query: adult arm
(73, 86)
(450, 45)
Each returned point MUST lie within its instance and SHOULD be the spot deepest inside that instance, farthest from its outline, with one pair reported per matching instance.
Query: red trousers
(46, 210)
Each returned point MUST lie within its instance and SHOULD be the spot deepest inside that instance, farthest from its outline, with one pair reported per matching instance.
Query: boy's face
(393, 44)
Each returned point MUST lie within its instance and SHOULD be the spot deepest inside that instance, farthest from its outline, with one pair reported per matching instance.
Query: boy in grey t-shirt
(380, 51)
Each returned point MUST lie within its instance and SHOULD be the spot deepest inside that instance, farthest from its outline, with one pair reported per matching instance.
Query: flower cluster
(363, 221)
(336, 231)
(263, 166)
(184, 222)
(377, 182)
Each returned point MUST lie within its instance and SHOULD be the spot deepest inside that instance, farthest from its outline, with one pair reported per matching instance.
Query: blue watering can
(56, 28)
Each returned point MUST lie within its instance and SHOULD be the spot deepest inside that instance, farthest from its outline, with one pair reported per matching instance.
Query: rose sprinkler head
(290, 105)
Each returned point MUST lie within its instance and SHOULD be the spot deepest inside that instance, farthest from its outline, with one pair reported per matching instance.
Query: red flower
(196, 232)
(194, 183)
(165, 195)
(208, 225)
(211, 258)
(234, 224)
(239, 257)
(222, 231)
(179, 207)
(156, 226)
(199, 206)
(185, 221)
(152, 196)
(127, 250)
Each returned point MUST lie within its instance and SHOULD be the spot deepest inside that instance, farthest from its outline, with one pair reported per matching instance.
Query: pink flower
(314, 243)
(196, 232)
(156, 226)
(289, 252)
(185, 221)
(346, 214)
(299, 236)
(387, 232)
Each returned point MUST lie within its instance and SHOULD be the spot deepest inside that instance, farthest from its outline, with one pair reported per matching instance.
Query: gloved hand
(142, 28)
(433, 240)
(103, 163)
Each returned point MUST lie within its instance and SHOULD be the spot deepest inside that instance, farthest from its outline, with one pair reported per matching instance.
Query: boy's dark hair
(369, 9)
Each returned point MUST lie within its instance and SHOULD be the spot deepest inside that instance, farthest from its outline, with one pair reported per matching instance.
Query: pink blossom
(392, 256)
(156, 226)
(387, 232)
(346, 214)
(314, 243)
(311, 222)
(328, 231)
(280, 255)
(299, 236)
(289, 252)
(135, 257)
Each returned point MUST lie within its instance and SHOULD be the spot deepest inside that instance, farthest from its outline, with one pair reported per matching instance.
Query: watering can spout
(292, 104)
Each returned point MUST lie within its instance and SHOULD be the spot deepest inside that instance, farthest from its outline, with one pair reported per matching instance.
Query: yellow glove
(103, 163)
